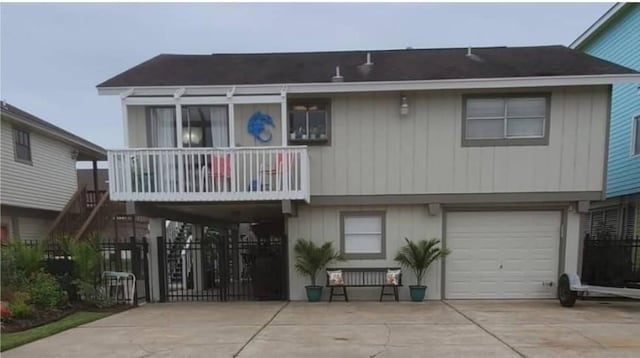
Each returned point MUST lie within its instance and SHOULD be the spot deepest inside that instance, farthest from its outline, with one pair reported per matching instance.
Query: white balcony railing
(209, 174)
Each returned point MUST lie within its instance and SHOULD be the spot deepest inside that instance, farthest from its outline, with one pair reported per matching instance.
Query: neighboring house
(496, 151)
(615, 37)
(38, 172)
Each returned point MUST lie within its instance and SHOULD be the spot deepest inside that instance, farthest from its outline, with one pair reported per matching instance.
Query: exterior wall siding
(375, 151)
(620, 43)
(46, 184)
(322, 224)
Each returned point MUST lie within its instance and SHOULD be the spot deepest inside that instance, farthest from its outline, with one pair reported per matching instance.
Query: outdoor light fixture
(192, 137)
(74, 154)
(404, 106)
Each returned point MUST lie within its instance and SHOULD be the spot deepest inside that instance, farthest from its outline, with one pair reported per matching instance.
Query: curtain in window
(162, 128)
(219, 126)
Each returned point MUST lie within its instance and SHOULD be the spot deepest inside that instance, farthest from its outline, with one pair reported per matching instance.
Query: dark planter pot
(417, 293)
(314, 293)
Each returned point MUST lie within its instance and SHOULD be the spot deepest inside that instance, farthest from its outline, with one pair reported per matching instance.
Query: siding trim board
(470, 198)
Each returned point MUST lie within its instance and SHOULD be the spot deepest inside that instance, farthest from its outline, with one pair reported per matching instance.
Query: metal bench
(364, 277)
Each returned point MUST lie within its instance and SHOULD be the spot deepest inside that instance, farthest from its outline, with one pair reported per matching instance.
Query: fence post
(162, 268)
(135, 266)
(145, 267)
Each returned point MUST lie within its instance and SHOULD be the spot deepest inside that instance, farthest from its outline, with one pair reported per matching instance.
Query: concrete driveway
(356, 329)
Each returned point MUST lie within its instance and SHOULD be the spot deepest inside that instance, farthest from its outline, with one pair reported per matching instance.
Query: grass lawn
(12, 340)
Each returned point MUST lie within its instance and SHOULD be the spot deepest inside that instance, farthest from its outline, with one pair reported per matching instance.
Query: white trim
(343, 87)
(232, 125)
(284, 118)
(178, 125)
(179, 92)
(635, 122)
(125, 121)
(597, 26)
(211, 100)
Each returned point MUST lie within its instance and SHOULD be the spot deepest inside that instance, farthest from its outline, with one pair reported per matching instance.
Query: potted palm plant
(418, 256)
(310, 259)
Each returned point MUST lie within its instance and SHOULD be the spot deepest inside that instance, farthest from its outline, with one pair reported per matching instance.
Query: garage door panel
(502, 254)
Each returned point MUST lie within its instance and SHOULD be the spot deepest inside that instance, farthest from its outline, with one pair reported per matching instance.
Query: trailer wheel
(565, 294)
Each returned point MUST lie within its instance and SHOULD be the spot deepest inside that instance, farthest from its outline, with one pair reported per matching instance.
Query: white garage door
(495, 254)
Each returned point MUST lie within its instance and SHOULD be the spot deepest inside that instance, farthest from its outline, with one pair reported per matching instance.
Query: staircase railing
(71, 217)
(103, 213)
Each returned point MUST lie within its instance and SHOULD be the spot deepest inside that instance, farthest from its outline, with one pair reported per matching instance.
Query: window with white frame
(506, 120)
(635, 136)
(363, 235)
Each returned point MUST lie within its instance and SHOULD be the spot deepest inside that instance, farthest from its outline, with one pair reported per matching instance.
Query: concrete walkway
(356, 329)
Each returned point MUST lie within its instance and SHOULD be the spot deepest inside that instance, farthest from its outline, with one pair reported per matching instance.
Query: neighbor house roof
(86, 150)
(601, 24)
(388, 65)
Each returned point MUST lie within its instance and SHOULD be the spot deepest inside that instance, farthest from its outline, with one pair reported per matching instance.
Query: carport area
(357, 329)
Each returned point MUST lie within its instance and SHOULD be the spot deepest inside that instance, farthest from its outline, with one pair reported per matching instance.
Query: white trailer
(569, 287)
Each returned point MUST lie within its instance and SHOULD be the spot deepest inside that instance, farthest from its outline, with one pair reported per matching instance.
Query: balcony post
(179, 145)
(231, 117)
(284, 118)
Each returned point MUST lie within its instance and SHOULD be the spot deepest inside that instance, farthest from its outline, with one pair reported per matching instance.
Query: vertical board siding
(322, 223)
(620, 43)
(376, 151)
(46, 184)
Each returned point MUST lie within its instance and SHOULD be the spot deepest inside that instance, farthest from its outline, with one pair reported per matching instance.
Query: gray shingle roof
(389, 65)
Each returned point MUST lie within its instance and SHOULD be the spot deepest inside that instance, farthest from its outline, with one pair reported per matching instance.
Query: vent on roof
(337, 77)
(472, 56)
(366, 67)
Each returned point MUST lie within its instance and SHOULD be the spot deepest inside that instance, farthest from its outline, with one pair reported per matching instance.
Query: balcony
(209, 174)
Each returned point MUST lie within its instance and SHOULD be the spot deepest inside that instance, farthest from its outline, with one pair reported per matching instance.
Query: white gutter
(601, 22)
(343, 87)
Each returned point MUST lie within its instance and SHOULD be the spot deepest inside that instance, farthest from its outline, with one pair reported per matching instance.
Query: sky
(53, 55)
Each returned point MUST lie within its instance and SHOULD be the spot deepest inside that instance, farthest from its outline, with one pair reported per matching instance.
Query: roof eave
(597, 26)
(85, 148)
(344, 87)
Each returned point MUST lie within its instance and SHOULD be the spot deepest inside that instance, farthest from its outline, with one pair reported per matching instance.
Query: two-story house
(496, 151)
(38, 172)
(615, 37)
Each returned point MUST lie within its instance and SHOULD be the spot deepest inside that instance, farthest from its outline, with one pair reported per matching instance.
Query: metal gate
(223, 267)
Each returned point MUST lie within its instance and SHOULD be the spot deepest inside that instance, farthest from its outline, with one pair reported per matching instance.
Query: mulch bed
(43, 317)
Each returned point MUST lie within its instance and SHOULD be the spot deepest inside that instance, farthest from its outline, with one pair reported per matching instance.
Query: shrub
(19, 262)
(20, 309)
(87, 269)
(45, 291)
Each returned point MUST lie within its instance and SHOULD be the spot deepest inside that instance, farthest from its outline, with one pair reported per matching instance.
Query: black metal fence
(223, 268)
(609, 261)
(117, 258)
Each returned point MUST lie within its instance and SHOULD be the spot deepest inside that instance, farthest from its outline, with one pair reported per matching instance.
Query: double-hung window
(363, 234)
(505, 120)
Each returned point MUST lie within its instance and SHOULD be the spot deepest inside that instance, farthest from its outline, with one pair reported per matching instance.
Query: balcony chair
(219, 172)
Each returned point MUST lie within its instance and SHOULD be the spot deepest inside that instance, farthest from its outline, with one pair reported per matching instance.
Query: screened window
(309, 122)
(363, 235)
(506, 120)
(22, 140)
(636, 136)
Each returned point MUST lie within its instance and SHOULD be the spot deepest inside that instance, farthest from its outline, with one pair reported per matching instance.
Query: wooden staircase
(86, 212)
